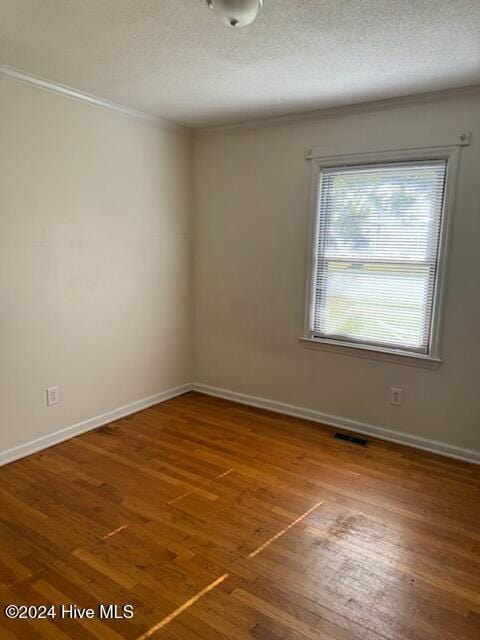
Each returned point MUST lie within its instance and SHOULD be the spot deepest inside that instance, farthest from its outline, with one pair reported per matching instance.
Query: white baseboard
(417, 442)
(93, 423)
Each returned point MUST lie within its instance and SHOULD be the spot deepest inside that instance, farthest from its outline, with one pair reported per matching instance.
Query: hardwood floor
(218, 521)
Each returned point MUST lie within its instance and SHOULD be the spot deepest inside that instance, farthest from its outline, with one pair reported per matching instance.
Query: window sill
(359, 351)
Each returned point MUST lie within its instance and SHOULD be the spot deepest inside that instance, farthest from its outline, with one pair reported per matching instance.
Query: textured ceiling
(173, 59)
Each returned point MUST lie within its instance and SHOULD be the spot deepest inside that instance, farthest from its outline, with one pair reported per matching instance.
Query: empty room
(239, 307)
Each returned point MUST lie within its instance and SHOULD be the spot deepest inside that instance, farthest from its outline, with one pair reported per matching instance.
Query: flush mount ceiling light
(236, 13)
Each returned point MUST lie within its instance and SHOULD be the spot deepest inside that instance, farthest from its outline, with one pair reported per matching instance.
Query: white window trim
(449, 152)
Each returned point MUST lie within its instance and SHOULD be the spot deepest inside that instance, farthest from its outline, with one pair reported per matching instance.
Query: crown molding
(332, 112)
(245, 125)
(70, 92)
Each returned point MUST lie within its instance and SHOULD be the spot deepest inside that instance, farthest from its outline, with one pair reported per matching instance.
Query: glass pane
(378, 213)
(375, 303)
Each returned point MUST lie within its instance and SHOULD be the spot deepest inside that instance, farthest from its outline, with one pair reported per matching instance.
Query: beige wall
(95, 260)
(251, 199)
(96, 282)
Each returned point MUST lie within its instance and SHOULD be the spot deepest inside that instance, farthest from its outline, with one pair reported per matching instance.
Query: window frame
(450, 153)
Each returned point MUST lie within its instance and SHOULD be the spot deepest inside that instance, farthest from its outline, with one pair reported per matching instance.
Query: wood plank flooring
(217, 521)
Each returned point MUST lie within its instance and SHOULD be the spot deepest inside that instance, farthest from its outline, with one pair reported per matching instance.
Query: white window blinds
(376, 253)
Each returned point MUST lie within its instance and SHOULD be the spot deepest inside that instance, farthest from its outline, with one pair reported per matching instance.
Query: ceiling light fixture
(236, 13)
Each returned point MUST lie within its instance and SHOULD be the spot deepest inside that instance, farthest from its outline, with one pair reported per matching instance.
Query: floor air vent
(361, 442)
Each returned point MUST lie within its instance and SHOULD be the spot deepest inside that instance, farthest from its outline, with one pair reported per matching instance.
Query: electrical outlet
(53, 396)
(396, 396)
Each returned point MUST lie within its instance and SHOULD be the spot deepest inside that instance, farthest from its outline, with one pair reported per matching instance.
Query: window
(378, 252)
